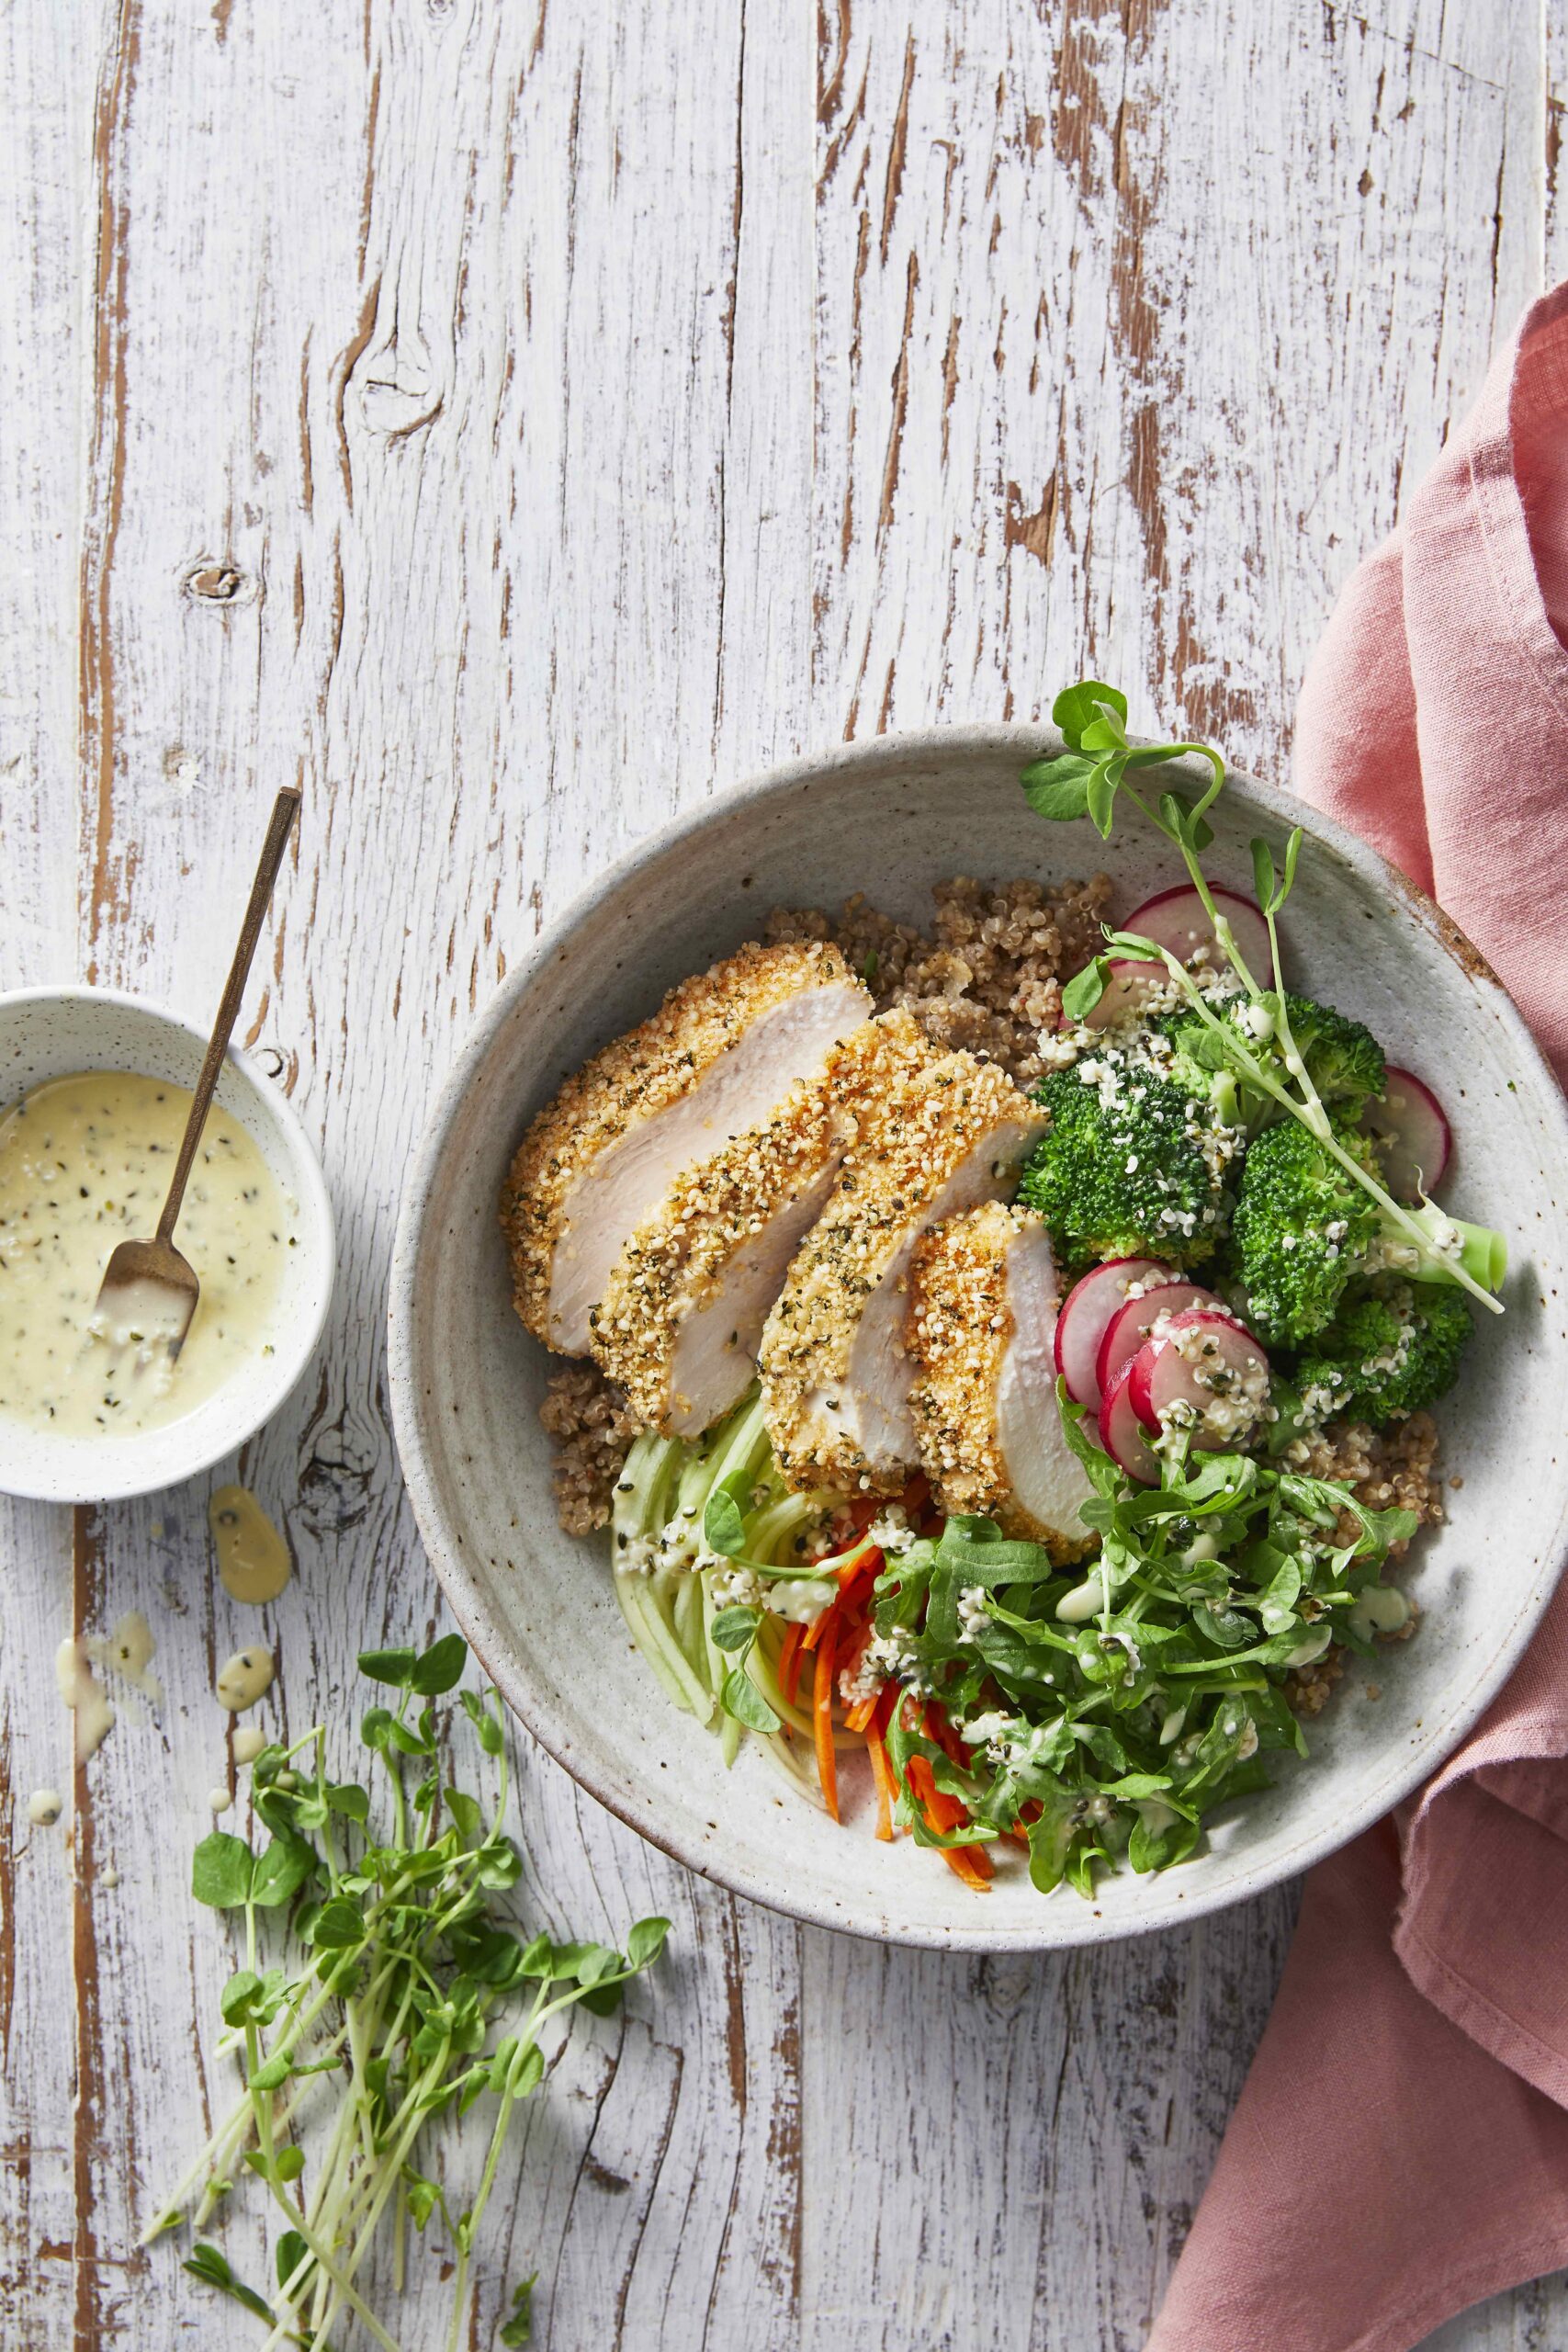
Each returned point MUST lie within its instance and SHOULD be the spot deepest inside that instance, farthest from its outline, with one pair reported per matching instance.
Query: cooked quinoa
(988, 979)
(593, 1428)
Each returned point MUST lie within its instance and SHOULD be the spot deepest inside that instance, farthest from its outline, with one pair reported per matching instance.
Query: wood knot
(217, 580)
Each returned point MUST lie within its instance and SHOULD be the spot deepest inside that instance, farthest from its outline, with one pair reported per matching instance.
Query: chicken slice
(723, 1049)
(682, 1313)
(983, 1301)
(836, 1377)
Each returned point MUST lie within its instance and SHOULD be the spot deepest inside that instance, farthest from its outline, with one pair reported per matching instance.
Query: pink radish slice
(1088, 1306)
(1179, 919)
(1131, 1325)
(1128, 982)
(1411, 1133)
(1161, 1375)
(1122, 1432)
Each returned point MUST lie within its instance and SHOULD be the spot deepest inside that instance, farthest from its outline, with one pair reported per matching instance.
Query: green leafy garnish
(1087, 779)
(405, 1963)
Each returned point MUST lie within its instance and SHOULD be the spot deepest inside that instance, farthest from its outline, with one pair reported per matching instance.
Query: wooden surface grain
(517, 420)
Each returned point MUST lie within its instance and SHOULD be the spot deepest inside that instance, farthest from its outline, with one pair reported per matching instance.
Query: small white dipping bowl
(51, 1033)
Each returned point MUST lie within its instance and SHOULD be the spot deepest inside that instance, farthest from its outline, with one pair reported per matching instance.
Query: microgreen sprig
(1086, 779)
(406, 1960)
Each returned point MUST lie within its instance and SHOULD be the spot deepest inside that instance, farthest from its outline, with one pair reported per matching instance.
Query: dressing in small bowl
(94, 1091)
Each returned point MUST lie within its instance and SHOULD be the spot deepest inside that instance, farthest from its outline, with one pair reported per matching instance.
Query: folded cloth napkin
(1401, 2146)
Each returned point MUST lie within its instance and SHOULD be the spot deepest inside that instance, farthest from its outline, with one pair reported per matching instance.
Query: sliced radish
(1179, 919)
(1122, 1433)
(1088, 1306)
(1411, 1133)
(1128, 984)
(1131, 1325)
(1210, 1364)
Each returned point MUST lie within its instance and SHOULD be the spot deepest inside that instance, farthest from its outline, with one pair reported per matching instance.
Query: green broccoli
(1305, 1228)
(1342, 1058)
(1388, 1353)
(1123, 1170)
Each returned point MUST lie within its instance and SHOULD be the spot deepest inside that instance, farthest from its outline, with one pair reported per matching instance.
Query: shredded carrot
(944, 1812)
(854, 1640)
(789, 1659)
(882, 1773)
(822, 1719)
(866, 1567)
(947, 1739)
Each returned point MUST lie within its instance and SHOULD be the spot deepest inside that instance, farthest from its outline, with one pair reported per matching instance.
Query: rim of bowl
(317, 1205)
(1026, 740)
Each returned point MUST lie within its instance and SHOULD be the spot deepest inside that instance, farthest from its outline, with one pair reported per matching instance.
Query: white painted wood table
(517, 418)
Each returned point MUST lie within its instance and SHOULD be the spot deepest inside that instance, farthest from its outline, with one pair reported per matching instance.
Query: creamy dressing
(85, 1162)
(84, 1695)
(245, 1678)
(253, 1559)
(127, 1651)
(1381, 1609)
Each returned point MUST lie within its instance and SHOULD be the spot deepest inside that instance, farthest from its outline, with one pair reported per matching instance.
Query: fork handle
(284, 808)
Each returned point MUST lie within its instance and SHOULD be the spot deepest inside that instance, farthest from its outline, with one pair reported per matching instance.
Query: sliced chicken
(983, 1300)
(836, 1377)
(683, 1309)
(722, 1051)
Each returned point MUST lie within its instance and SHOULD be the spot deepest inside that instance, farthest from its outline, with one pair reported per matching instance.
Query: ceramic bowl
(892, 817)
(50, 1033)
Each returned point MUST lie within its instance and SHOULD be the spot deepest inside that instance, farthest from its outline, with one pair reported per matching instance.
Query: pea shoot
(406, 1963)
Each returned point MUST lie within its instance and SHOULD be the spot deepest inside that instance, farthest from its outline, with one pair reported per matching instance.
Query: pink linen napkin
(1400, 2149)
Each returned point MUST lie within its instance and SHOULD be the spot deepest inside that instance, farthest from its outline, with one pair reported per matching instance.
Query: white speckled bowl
(892, 817)
(50, 1033)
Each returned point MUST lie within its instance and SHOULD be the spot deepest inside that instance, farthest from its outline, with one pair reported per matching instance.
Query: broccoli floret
(1343, 1059)
(1303, 1227)
(1392, 1352)
(1123, 1170)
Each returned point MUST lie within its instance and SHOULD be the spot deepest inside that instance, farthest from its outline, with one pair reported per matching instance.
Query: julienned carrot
(947, 1739)
(855, 1584)
(882, 1773)
(852, 1640)
(822, 1718)
(971, 1863)
(789, 1659)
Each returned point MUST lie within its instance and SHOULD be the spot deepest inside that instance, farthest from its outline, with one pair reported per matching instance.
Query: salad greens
(1107, 1709)
(405, 1964)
